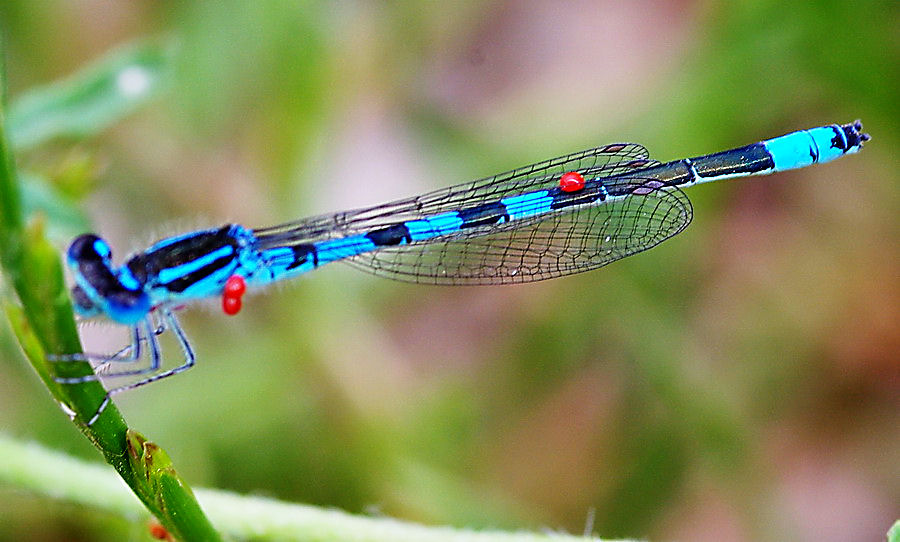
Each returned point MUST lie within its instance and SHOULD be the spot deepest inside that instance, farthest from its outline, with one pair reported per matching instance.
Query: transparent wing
(602, 161)
(577, 239)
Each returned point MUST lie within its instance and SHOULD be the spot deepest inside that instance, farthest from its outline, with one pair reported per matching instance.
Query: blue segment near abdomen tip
(794, 150)
(526, 205)
(807, 147)
(830, 140)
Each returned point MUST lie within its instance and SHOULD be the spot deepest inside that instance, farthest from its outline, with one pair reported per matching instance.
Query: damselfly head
(100, 289)
(87, 254)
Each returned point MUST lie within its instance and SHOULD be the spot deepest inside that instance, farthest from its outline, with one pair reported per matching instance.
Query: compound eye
(88, 248)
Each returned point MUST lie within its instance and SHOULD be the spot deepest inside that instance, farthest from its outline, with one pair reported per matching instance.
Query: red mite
(231, 295)
(571, 182)
(159, 532)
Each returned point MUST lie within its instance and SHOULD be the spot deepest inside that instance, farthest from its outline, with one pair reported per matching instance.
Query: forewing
(569, 241)
(602, 161)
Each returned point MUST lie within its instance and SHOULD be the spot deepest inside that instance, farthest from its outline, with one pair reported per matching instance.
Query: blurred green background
(739, 382)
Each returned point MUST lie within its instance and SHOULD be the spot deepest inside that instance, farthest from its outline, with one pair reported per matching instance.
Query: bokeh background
(739, 382)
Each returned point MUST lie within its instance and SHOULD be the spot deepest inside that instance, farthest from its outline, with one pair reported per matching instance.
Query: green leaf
(64, 218)
(92, 99)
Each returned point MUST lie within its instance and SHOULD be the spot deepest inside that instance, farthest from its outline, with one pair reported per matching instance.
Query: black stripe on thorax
(184, 282)
(148, 264)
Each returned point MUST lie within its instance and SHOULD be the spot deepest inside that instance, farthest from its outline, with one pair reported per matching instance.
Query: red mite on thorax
(231, 295)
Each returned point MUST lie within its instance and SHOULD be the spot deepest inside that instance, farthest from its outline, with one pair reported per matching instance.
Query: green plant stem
(11, 221)
(31, 467)
(44, 324)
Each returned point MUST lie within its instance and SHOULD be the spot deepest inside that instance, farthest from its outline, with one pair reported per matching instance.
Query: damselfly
(554, 218)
